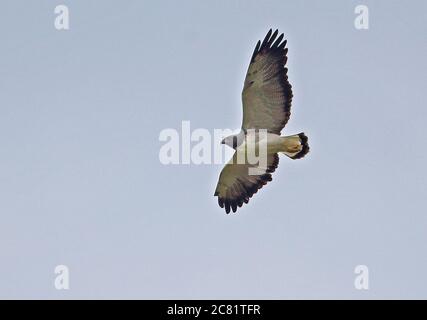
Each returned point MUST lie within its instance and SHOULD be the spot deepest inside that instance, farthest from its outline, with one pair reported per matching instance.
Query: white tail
(296, 146)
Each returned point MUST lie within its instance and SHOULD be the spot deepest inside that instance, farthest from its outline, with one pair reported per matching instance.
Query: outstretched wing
(235, 185)
(267, 93)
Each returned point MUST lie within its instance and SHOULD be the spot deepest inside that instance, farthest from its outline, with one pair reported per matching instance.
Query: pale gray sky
(81, 183)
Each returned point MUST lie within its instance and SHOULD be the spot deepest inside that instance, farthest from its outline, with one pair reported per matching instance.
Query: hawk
(266, 98)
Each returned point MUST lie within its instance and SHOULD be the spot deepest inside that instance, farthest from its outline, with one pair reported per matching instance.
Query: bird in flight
(267, 98)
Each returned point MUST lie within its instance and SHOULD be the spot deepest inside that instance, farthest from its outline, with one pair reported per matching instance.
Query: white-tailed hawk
(266, 97)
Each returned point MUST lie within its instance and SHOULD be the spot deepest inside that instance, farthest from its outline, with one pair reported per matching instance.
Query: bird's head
(231, 141)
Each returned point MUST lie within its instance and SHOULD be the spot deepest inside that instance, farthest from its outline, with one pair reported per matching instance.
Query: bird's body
(253, 141)
(266, 97)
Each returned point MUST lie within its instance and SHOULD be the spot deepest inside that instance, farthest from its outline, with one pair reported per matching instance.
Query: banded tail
(296, 146)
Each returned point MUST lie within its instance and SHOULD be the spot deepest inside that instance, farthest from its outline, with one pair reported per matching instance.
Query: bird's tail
(296, 146)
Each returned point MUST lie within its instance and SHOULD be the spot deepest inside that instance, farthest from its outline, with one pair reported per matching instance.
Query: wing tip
(270, 42)
(256, 51)
(231, 205)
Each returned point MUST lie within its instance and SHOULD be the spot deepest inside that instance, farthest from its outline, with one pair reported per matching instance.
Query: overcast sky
(81, 183)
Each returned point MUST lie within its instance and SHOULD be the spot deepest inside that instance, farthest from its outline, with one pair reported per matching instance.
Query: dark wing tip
(227, 207)
(270, 42)
(265, 41)
(234, 206)
(220, 202)
(273, 37)
(255, 51)
(277, 42)
(282, 45)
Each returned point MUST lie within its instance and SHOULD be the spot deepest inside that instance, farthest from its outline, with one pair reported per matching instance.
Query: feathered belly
(261, 142)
